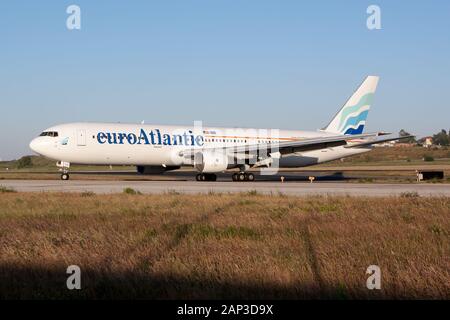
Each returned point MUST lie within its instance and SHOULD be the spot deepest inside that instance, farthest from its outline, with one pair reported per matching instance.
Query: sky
(238, 63)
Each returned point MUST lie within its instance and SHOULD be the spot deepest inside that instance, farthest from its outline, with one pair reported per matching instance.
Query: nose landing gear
(65, 169)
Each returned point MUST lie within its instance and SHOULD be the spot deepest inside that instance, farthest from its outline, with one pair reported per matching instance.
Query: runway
(264, 187)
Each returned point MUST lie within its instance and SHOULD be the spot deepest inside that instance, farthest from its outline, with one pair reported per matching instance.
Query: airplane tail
(351, 119)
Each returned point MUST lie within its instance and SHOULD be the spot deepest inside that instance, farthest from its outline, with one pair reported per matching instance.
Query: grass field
(223, 246)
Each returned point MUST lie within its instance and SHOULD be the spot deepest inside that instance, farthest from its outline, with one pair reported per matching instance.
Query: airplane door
(81, 137)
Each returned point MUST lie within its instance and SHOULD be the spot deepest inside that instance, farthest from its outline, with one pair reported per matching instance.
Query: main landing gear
(243, 176)
(206, 177)
(240, 177)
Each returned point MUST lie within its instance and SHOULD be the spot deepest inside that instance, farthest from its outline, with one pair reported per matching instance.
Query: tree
(441, 138)
(404, 133)
(24, 162)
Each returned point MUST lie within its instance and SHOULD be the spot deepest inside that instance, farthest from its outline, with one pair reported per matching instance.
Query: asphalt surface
(266, 187)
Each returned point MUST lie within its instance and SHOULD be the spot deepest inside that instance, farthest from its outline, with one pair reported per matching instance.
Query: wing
(286, 147)
(264, 153)
(371, 142)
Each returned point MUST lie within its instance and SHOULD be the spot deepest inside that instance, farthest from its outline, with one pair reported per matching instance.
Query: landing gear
(242, 176)
(64, 168)
(206, 177)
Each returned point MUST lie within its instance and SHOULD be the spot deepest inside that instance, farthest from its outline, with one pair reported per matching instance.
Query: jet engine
(211, 161)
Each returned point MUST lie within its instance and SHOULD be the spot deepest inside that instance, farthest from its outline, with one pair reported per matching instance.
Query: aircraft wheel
(250, 177)
(234, 177)
(198, 177)
(241, 177)
(65, 176)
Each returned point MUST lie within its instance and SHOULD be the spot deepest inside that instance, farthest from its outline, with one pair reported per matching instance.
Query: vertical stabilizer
(351, 119)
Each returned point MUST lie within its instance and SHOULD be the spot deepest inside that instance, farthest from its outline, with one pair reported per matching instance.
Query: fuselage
(160, 145)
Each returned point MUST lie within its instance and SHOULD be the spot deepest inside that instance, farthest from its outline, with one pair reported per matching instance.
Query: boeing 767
(159, 148)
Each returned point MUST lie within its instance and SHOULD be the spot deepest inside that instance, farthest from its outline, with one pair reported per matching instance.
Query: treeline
(29, 162)
(24, 162)
(441, 138)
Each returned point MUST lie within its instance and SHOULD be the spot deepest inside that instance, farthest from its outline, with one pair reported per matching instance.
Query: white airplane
(159, 148)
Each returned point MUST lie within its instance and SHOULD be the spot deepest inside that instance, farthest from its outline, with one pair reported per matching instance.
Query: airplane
(156, 149)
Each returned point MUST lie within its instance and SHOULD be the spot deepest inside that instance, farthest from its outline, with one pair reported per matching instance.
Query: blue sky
(251, 63)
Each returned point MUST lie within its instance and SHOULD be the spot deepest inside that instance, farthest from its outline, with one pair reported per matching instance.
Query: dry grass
(223, 246)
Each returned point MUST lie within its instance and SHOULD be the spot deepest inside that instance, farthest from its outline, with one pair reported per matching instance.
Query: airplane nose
(36, 145)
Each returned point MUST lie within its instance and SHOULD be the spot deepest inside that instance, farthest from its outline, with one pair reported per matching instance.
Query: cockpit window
(49, 134)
